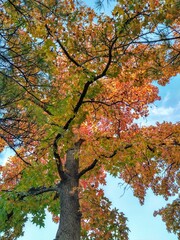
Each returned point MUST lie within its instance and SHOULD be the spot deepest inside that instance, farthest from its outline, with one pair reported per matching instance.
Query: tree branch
(33, 191)
(154, 41)
(104, 103)
(65, 51)
(34, 99)
(108, 62)
(37, 191)
(13, 148)
(79, 103)
(59, 165)
(41, 105)
(152, 149)
(87, 169)
(116, 150)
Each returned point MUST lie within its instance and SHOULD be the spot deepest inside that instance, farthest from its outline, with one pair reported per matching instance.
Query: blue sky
(168, 108)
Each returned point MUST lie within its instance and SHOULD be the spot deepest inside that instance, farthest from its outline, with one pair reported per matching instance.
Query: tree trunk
(70, 215)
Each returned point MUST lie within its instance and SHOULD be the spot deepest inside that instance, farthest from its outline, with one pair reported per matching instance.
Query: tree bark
(70, 215)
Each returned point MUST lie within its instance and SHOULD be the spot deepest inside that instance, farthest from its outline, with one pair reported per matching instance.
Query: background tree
(72, 84)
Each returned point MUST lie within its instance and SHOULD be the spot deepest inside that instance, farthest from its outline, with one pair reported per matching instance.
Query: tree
(73, 82)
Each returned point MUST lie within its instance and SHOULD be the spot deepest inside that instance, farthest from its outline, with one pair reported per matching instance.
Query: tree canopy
(72, 85)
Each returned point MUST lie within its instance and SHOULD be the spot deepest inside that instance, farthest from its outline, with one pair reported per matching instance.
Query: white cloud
(161, 114)
(162, 111)
(166, 98)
